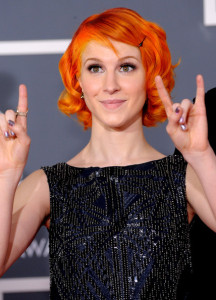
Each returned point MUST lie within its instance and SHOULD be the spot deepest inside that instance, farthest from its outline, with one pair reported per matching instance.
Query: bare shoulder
(37, 178)
(33, 191)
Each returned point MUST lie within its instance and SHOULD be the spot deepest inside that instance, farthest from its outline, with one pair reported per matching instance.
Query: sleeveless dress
(119, 233)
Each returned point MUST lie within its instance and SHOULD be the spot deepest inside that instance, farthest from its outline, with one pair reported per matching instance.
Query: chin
(117, 122)
(114, 123)
(116, 126)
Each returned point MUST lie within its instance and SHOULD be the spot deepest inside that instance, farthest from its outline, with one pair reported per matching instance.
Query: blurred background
(33, 36)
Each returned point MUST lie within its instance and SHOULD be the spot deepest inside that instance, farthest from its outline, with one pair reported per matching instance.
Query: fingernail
(183, 127)
(177, 110)
(181, 120)
(11, 123)
(12, 133)
(6, 134)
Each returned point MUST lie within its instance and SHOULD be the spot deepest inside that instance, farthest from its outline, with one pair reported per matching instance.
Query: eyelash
(128, 65)
(91, 67)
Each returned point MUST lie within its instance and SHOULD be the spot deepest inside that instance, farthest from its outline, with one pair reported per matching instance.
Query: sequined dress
(118, 233)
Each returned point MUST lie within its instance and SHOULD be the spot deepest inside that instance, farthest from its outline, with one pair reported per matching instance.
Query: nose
(111, 83)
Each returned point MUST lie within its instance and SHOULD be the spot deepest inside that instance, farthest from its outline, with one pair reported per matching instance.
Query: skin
(117, 139)
(113, 77)
(115, 130)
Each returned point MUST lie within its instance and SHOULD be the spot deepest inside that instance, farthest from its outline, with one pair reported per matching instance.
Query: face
(113, 84)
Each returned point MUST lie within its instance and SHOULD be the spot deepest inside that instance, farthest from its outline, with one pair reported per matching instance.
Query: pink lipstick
(112, 104)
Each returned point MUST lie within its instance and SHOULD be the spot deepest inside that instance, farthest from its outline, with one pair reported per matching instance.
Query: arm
(23, 208)
(29, 211)
(187, 127)
(198, 197)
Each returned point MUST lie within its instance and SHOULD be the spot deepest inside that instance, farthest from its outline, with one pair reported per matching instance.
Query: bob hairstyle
(127, 26)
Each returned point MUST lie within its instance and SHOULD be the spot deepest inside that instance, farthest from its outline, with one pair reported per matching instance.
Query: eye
(95, 69)
(127, 68)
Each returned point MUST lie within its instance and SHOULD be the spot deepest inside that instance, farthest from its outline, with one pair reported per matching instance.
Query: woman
(117, 212)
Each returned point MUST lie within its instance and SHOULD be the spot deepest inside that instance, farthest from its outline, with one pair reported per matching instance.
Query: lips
(112, 104)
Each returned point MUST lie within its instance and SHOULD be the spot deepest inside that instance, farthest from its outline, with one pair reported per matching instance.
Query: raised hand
(14, 141)
(187, 122)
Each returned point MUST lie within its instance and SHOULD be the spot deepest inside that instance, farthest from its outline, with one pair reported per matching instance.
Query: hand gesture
(14, 141)
(187, 122)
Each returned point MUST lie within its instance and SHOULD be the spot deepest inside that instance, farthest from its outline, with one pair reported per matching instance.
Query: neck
(117, 146)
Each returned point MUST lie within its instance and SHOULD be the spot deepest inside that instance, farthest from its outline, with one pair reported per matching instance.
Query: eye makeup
(95, 68)
(127, 67)
(124, 67)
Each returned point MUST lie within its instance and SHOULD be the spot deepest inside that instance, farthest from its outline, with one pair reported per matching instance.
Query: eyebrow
(122, 58)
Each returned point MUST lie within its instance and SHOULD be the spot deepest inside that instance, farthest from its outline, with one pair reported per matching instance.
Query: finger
(177, 108)
(4, 126)
(185, 106)
(21, 134)
(22, 105)
(174, 117)
(164, 96)
(10, 117)
(200, 91)
(7, 121)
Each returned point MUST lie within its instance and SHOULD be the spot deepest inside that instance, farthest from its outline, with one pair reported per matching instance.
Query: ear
(79, 81)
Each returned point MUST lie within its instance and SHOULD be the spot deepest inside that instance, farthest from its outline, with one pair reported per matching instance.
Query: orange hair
(127, 26)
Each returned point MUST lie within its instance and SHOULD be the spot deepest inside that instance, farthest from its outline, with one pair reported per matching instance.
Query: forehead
(99, 51)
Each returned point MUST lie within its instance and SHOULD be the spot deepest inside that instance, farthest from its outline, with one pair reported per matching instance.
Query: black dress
(119, 233)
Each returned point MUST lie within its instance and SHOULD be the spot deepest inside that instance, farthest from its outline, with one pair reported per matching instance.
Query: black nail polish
(11, 123)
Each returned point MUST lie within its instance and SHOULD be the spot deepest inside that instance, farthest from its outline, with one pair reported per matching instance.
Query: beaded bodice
(118, 233)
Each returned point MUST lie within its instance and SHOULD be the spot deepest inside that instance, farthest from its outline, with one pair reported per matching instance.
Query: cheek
(138, 90)
(135, 84)
(90, 87)
(90, 90)
(136, 87)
